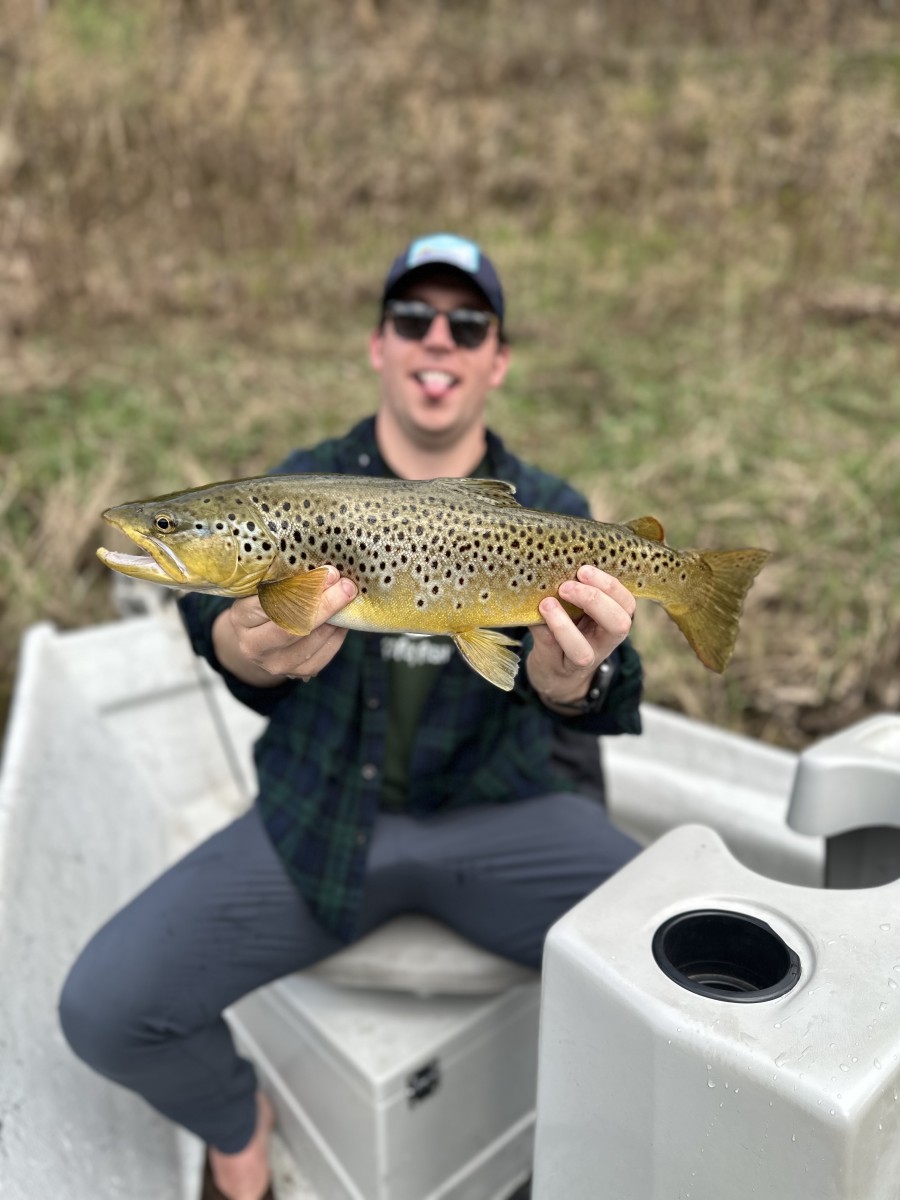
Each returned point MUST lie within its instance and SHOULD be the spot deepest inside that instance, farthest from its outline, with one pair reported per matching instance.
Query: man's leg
(142, 1004)
(502, 875)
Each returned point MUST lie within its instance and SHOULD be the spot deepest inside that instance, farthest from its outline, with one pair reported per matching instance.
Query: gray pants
(142, 1004)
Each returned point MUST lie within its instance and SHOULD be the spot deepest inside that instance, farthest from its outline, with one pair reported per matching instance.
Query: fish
(459, 557)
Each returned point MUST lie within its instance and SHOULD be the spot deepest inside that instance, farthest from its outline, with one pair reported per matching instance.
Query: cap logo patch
(444, 248)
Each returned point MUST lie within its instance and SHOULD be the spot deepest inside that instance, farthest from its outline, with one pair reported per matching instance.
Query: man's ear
(500, 365)
(376, 348)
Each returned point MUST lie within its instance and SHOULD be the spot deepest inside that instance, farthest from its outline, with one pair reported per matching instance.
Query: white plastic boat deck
(123, 750)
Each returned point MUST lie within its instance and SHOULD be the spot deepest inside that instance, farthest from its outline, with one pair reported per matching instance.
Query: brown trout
(459, 557)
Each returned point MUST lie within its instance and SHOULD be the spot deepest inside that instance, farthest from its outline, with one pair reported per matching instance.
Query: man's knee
(99, 1020)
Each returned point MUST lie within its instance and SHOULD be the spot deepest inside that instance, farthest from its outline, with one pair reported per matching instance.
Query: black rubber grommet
(726, 956)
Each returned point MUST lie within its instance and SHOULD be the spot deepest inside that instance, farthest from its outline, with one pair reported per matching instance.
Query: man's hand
(263, 654)
(566, 653)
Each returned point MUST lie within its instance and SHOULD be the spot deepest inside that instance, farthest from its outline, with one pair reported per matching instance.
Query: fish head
(198, 541)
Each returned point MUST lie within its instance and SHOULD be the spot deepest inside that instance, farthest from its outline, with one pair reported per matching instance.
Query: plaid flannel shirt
(319, 759)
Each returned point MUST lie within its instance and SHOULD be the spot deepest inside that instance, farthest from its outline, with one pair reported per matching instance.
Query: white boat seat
(412, 953)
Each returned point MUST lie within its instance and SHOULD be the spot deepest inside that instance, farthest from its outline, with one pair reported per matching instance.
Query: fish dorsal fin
(648, 528)
(490, 491)
(485, 652)
(293, 602)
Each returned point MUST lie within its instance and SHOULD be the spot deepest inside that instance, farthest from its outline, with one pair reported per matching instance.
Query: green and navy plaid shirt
(319, 760)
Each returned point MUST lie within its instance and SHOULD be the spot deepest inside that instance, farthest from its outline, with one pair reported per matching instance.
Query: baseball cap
(447, 250)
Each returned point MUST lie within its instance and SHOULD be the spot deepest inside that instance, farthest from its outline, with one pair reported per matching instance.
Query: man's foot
(246, 1175)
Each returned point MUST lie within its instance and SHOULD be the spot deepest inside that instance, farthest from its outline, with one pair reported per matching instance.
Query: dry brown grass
(197, 201)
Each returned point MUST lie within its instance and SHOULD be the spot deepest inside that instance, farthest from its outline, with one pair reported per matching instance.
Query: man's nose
(439, 336)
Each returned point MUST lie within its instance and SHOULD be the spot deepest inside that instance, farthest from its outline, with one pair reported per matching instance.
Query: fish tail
(717, 582)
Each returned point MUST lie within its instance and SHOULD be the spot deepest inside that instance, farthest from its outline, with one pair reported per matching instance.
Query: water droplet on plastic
(892, 983)
(710, 1083)
(876, 1064)
(884, 927)
(781, 1059)
(793, 1137)
(845, 1066)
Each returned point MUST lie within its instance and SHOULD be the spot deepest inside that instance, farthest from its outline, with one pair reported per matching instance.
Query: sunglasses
(413, 318)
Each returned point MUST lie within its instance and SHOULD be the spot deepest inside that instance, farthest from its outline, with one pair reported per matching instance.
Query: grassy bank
(697, 229)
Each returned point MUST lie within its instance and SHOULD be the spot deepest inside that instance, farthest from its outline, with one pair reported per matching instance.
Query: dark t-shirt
(415, 663)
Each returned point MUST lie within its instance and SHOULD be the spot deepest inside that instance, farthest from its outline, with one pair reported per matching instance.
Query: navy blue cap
(448, 250)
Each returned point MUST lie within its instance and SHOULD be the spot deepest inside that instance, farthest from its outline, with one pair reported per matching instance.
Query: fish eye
(164, 522)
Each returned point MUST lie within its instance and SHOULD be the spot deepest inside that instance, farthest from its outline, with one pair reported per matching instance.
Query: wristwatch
(596, 694)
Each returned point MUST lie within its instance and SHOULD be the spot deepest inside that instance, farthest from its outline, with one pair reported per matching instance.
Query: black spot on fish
(292, 559)
(219, 525)
(267, 545)
(283, 545)
(272, 526)
(247, 547)
(287, 506)
(264, 507)
(250, 526)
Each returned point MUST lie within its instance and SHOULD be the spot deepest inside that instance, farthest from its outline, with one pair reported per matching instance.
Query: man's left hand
(567, 653)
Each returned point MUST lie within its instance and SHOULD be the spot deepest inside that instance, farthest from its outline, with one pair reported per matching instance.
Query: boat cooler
(712, 1034)
(387, 1095)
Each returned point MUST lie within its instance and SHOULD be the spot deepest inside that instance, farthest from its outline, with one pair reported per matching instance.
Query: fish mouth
(160, 564)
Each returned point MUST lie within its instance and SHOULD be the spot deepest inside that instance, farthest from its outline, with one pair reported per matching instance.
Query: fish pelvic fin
(485, 650)
(718, 581)
(648, 528)
(293, 603)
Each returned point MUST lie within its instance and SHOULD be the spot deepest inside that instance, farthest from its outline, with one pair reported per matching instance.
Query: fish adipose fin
(485, 652)
(293, 603)
(718, 582)
(648, 528)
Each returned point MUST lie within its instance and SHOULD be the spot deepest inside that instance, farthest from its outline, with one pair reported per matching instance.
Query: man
(392, 778)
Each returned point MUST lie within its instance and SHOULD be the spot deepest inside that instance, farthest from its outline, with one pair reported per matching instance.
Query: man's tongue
(435, 384)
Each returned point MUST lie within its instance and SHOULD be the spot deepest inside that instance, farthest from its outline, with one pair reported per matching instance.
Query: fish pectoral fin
(485, 650)
(293, 602)
(648, 528)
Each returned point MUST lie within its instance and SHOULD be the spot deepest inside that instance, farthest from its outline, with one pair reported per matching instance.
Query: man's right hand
(263, 654)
